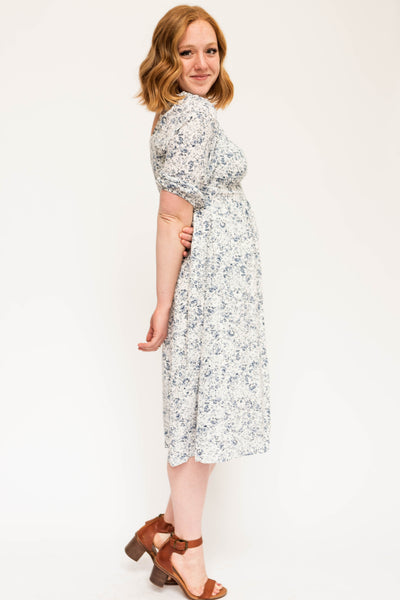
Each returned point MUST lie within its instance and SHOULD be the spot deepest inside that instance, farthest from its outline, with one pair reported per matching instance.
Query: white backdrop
(316, 110)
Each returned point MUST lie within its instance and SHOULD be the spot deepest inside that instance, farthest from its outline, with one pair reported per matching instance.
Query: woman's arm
(174, 213)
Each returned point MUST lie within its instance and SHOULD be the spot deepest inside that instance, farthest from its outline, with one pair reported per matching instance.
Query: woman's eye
(187, 52)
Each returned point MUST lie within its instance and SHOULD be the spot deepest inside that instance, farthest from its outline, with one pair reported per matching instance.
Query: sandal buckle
(175, 540)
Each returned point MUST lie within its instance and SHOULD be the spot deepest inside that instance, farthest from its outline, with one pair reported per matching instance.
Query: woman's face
(199, 55)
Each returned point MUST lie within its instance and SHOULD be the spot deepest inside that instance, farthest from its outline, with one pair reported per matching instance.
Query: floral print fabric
(215, 377)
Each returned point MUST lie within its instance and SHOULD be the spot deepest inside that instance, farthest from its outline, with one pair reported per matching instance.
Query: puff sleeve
(186, 166)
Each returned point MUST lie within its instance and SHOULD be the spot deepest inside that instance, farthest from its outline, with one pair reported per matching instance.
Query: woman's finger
(151, 344)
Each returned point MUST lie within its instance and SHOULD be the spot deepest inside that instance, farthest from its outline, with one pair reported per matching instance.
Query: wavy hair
(160, 70)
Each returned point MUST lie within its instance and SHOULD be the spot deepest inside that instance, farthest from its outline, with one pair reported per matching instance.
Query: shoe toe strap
(208, 588)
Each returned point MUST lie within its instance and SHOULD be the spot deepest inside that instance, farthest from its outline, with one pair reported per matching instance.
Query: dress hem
(177, 462)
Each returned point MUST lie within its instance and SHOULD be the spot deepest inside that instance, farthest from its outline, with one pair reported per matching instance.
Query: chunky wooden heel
(143, 540)
(135, 549)
(158, 577)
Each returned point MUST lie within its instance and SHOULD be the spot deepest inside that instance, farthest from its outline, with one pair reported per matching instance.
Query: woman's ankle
(188, 534)
(169, 518)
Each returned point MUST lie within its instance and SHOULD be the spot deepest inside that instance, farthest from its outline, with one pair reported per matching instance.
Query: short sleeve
(186, 165)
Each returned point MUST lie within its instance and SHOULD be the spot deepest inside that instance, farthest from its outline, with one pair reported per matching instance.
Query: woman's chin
(200, 87)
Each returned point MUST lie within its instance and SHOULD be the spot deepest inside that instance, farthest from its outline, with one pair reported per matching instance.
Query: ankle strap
(181, 545)
(160, 524)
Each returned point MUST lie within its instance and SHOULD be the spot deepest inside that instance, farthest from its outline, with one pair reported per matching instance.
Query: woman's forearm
(168, 256)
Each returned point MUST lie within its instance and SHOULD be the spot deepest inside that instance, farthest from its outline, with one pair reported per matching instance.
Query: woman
(209, 313)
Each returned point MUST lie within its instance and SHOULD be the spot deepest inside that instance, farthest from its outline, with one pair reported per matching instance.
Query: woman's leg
(188, 483)
(160, 538)
(169, 512)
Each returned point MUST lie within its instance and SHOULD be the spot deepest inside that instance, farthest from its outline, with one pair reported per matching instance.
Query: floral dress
(215, 377)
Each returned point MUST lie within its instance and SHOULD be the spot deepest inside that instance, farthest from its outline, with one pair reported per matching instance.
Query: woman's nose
(201, 62)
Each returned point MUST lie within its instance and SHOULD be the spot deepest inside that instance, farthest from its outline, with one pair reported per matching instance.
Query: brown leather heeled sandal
(163, 568)
(142, 541)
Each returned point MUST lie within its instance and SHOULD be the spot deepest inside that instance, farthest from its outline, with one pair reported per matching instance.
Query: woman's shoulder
(195, 102)
(191, 107)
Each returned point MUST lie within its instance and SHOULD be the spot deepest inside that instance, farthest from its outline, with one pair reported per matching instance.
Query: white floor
(102, 571)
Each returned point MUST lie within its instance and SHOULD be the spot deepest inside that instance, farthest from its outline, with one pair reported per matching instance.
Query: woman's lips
(199, 76)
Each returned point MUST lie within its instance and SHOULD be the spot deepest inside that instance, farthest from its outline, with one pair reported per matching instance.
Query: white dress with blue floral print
(215, 377)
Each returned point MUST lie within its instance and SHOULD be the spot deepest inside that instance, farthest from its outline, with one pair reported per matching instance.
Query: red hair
(160, 70)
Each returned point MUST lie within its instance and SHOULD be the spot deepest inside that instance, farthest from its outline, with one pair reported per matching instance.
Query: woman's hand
(157, 331)
(186, 239)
